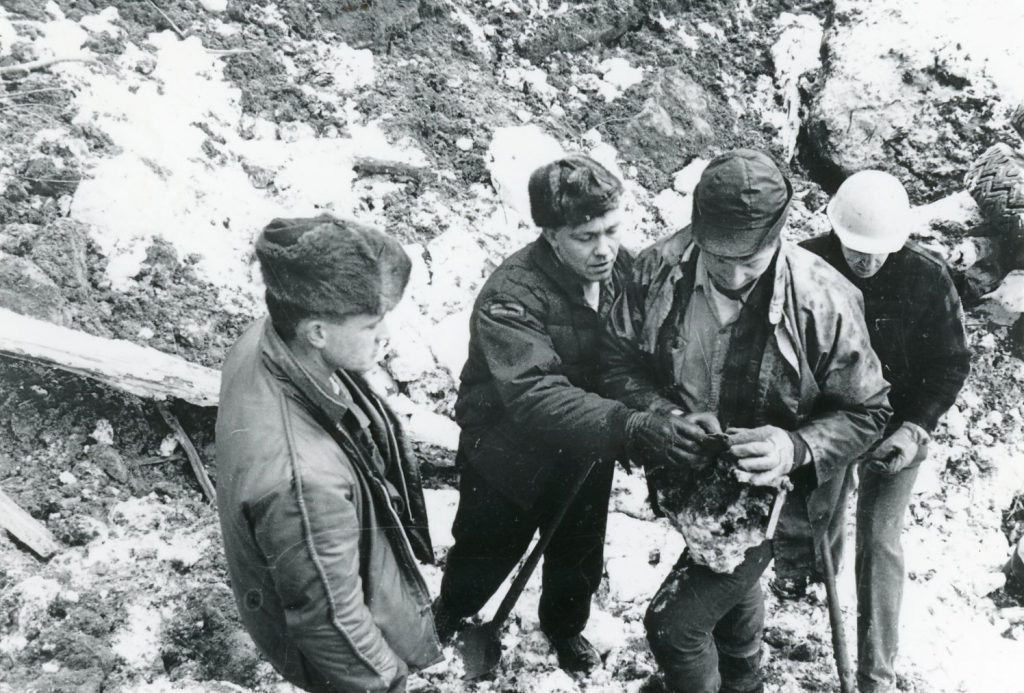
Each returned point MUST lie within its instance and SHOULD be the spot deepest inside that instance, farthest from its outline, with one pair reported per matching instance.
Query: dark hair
(329, 268)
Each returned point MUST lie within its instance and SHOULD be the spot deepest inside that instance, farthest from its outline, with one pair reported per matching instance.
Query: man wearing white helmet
(915, 321)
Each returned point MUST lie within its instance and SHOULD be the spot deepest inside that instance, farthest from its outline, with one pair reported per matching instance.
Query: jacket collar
(543, 255)
(780, 286)
(336, 402)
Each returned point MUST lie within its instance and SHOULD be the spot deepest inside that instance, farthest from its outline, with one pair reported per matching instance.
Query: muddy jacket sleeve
(627, 373)
(530, 380)
(309, 532)
(941, 360)
(851, 407)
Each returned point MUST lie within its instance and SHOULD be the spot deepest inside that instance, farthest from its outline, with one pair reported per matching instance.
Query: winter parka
(320, 523)
(526, 402)
(818, 375)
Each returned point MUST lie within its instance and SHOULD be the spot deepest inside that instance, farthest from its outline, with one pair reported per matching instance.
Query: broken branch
(26, 528)
(399, 170)
(190, 451)
(170, 22)
(43, 64)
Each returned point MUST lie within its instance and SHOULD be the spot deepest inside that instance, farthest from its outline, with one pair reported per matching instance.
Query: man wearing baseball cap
(726, 319)
(916, 325)
(320, 504)
(530, 417)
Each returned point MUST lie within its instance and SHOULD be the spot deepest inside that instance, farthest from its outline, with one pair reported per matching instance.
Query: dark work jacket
(321, 556)
(817, 376)
(526, 403)
(916, 325)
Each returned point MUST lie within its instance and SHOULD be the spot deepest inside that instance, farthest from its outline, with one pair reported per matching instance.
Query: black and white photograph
(511, 346)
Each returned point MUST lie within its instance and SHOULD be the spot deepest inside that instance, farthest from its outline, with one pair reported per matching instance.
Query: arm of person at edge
(849, 413)
(317, 578)
(529, 377)
(941, 362)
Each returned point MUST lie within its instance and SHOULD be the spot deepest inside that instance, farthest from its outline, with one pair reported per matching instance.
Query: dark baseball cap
(740, 204)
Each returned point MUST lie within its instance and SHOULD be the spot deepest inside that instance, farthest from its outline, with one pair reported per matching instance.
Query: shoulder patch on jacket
(505, 308)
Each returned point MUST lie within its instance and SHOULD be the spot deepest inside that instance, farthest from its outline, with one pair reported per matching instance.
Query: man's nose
(603, 249)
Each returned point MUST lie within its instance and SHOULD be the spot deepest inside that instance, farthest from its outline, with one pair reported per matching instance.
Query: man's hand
(672, 438)
(764, 454)
(895, 453)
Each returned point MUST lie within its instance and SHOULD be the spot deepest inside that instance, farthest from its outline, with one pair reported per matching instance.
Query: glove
(671, 438)
(765, 454)
(898, 451)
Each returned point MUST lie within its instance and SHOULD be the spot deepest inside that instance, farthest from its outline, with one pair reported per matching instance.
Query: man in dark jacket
(529, 416)
(320, 505)
(769, 343)
(915, 321)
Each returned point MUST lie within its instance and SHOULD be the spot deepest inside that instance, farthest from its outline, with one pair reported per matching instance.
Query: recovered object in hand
(719, 516)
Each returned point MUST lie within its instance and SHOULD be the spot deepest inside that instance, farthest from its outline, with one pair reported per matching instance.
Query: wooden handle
(847, 683)
(519, 584)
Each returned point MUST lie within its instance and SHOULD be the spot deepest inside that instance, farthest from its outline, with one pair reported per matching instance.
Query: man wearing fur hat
(530, 418)
(320, 504)
(916, 325)
(766, 340)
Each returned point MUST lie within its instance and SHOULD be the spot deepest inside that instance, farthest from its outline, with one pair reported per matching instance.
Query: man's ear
(550, 235)
(311, 332)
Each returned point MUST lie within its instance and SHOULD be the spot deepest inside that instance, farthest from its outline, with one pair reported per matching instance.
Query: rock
(58, 248)
(110, 461)
(25, 289)
(103, 433)
(1006, 303)
(214, 5)
(676, 122)
(912, 87)
(67, 478)
(581, 25)
(957, 213)
(49, 177)
(360, 24)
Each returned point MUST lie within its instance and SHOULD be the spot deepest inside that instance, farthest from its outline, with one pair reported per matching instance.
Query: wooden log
(152, 374)
(26, 528)
(140, 370)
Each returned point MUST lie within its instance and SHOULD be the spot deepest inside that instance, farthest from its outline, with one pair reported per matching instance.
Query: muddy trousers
(705, 628)
(492, 534)
(881, 508)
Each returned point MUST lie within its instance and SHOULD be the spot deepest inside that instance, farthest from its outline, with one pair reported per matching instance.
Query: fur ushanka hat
(571, 191)
(329, 266)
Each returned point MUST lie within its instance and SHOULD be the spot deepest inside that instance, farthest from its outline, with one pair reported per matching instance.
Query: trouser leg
(574, 560)
(698, 614)
(881, 507)
(491, 535)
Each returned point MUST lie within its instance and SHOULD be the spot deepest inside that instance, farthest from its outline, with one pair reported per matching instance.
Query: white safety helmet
(871, 213)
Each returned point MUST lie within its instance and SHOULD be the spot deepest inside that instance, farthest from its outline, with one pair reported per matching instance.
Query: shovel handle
(847, 683)
(523, 576)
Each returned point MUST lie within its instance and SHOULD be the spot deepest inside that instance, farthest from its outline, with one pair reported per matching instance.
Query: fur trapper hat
(329, 266)
(572, 191)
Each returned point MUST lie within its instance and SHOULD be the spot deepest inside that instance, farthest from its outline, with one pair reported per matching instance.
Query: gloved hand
(895, 453)
(661, 438)
(764, 454)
